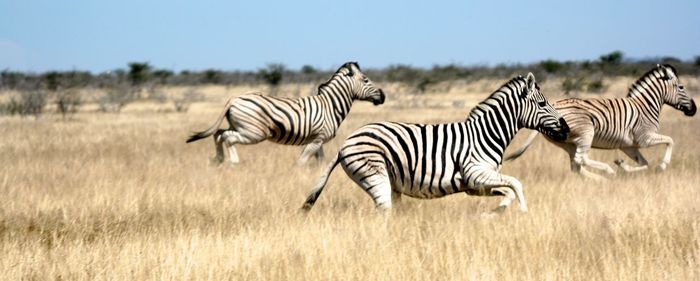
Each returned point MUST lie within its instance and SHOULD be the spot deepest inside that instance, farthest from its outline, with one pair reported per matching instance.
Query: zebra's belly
(612, 142)
(432, 186)
(291, 139)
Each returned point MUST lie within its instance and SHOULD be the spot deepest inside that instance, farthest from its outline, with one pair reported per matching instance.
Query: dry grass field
(122, 197)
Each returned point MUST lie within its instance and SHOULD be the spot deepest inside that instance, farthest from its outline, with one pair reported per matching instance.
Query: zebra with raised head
(389, 159)
(626, 123)
(310, 121)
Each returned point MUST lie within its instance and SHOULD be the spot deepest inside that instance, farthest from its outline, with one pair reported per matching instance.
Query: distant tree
(614, 58)
(307, 69)
(52, 80)
(402, 73)
(162, 75)
(671, 60)
(551, 66)
(273, 74)
(138, 72)
(211, 76)
(697, 61)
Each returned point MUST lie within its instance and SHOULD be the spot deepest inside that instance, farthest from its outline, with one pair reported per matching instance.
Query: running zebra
(310, 121)
(388, 159)
(626, 123)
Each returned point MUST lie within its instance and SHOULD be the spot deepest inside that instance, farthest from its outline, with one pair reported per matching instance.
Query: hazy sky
(245, 35)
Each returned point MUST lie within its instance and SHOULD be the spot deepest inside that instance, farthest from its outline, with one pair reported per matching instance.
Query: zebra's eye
(542, 103)
(366, 80)
(680, 87)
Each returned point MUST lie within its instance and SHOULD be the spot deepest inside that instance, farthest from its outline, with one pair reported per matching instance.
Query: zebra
(388, 159)
(627, 124)
(310, 121)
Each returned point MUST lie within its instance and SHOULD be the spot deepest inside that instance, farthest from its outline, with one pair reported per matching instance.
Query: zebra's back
(421, 160)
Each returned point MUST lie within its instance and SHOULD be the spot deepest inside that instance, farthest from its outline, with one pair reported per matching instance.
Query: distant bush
(596, 86)
(570, 85)
(402, 73)
(28, 103)
(116, 98)
(182, 104)
(211, 76)
(697, 61)
(551, 66)
(162, 75)
(68, 102)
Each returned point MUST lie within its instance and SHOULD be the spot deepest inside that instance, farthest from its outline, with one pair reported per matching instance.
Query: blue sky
(246, 35)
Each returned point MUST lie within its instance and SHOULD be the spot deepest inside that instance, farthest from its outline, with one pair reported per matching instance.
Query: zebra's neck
(494, 121)
(649, 91)
(337, 96)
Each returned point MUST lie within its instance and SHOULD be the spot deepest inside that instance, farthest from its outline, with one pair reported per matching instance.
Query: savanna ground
(122, 197)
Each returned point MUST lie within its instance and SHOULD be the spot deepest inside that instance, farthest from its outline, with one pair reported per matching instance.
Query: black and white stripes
(310, 121)
(388, 159)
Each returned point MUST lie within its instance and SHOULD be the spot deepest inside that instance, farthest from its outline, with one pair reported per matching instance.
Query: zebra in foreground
(310, 121)
(388, 159)
(626, 123)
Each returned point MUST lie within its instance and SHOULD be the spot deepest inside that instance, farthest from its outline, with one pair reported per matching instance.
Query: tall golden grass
(121, 197)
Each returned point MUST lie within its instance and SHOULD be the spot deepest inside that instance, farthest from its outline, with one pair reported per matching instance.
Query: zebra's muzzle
(377, 100)
(557, 134)
(690, 110)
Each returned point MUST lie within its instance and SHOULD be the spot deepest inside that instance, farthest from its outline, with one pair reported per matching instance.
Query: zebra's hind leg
(219, 144)
(230, 138)
(581, 160)
(319, 155)
(637, 156)
(312, 148)
(373, 180)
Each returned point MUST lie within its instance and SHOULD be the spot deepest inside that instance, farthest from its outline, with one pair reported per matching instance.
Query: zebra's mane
(655, 73)
(347, 66)
(498, 97)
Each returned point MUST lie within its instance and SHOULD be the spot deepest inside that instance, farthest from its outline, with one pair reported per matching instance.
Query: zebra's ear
(348, 66)
(669, 71)
(529, 84)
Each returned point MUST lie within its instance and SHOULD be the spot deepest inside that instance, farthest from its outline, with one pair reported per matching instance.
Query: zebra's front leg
(637, 156)
(309, 150)
(495, 184)
(657, 139)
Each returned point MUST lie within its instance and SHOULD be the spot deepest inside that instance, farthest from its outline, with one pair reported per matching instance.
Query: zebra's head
(538, 114)
(361, 87)
(675, 94)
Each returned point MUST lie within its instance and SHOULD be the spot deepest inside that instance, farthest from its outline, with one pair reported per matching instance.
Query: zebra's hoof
(661, 168)
(619, 162)
(489, 215)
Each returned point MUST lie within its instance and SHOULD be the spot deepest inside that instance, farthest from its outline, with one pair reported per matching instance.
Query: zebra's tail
(211, 130)
(316, 192)
(521, 150)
